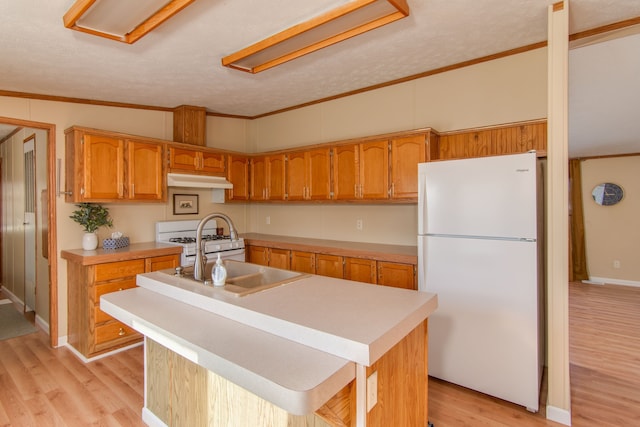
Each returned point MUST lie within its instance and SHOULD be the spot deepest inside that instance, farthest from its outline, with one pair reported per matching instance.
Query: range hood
(197, 181)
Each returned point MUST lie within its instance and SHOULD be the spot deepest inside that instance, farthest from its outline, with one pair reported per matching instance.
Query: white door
(29, 224)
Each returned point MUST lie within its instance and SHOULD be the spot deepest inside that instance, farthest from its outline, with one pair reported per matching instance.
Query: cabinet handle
(133, 189)
(121, 332)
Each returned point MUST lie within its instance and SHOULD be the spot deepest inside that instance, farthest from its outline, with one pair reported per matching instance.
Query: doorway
(47, 219)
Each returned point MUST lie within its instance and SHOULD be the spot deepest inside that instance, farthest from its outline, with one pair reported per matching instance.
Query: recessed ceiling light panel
(346, 21)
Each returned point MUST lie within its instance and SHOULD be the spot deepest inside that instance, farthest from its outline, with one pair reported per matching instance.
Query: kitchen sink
(244, 278)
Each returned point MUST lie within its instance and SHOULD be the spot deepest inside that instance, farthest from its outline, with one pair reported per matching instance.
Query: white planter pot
(89, 241)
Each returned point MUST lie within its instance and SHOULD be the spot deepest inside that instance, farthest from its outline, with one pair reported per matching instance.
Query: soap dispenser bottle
(219, 273)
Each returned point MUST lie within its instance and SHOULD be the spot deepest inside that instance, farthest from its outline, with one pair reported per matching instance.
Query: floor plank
(51, 387)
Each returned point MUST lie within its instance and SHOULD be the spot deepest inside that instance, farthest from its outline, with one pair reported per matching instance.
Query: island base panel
(182, 393)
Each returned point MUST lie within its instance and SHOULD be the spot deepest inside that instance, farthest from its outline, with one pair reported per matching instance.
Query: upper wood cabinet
(406, 153)
(267, 177)
(145, 175)
(238, 175)
(361, 171)
(107, 167)
(194, 160)
(309, 174)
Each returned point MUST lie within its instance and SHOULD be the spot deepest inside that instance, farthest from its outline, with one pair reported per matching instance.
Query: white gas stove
(183, 233)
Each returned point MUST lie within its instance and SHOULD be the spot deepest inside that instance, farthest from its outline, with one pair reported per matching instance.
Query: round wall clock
(607, 194)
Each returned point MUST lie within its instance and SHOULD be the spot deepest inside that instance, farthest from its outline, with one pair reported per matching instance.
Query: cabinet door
(145, 173)
(212, 162)
(360, 270)
(238, 175)
(279, 258)
(258, 255)
(276, 177)
(346, 177)
(406, 153)
(396, 275)
(329, 265)
(296, 176)
(258, 178)
(318, 174)
(183, 159)
(103, 168)
(374, 170)
(304, 262)
(161, 263)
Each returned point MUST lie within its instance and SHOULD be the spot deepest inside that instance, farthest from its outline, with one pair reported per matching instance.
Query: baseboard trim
(608, 281)
(42, 324)
(151, 419)
(100, 356)
(559, 415)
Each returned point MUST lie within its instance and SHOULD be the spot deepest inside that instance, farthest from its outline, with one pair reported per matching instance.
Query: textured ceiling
(179, 62)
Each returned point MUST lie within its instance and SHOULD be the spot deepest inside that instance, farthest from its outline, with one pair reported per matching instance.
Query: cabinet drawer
(106, 288)
(117, 270)
(100, 316)
(113, 331)
(161, 262)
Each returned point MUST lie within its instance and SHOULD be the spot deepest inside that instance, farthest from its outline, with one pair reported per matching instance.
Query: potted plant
(91, 216)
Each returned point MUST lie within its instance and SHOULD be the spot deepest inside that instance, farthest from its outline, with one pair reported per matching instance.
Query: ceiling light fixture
(341, 23)
(121, 20)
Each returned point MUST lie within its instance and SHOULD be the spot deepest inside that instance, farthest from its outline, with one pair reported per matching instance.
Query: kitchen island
(314, 351)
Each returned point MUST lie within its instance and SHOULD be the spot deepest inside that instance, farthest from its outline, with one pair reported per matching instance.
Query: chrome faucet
(201, 259)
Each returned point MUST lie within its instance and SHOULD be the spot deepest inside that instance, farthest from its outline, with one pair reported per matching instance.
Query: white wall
(612, 232)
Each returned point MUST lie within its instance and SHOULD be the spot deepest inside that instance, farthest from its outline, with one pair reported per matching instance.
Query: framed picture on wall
(185, 204)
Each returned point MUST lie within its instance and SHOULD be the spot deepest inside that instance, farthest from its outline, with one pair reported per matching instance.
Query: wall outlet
(267, 220)
(372, 390)
(616, 263)
(359, 224)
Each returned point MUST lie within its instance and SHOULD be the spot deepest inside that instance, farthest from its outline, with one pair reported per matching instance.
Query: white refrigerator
(479, 249)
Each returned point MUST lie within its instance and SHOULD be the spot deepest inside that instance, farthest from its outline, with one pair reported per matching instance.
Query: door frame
(52, 221)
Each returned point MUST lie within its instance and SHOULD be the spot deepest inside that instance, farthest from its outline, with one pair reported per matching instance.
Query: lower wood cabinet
(91, 331)
(271, 257)
(386, 273)
(360, 270)
(304, 262)
(397, 275)
(330, 266)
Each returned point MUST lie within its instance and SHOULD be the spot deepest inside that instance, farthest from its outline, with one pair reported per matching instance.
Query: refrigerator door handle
(422, 200)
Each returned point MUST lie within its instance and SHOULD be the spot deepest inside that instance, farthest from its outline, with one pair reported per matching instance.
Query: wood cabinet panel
(161, 263)
(309, 175)
(346, 175)
(304, 262)
(329, 265)
(238, 175)
(396, 275)
(258, 181)
(103, 168)
(406, 153)
(360, 270)
(510, 139)
(271, 257)
(374, 170)
(91, 331)
(108, 167)
(192, 160)
(145, 177)
(296, 176)
(279, 258)
(276, 175)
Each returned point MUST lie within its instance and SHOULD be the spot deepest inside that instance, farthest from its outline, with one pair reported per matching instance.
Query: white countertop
(352, 320)
(309, 333)
(292, 376)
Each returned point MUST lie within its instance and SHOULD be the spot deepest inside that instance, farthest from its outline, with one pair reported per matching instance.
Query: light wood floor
(40, 386)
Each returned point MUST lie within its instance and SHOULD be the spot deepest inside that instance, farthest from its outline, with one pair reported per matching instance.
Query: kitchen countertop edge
(133, 251)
